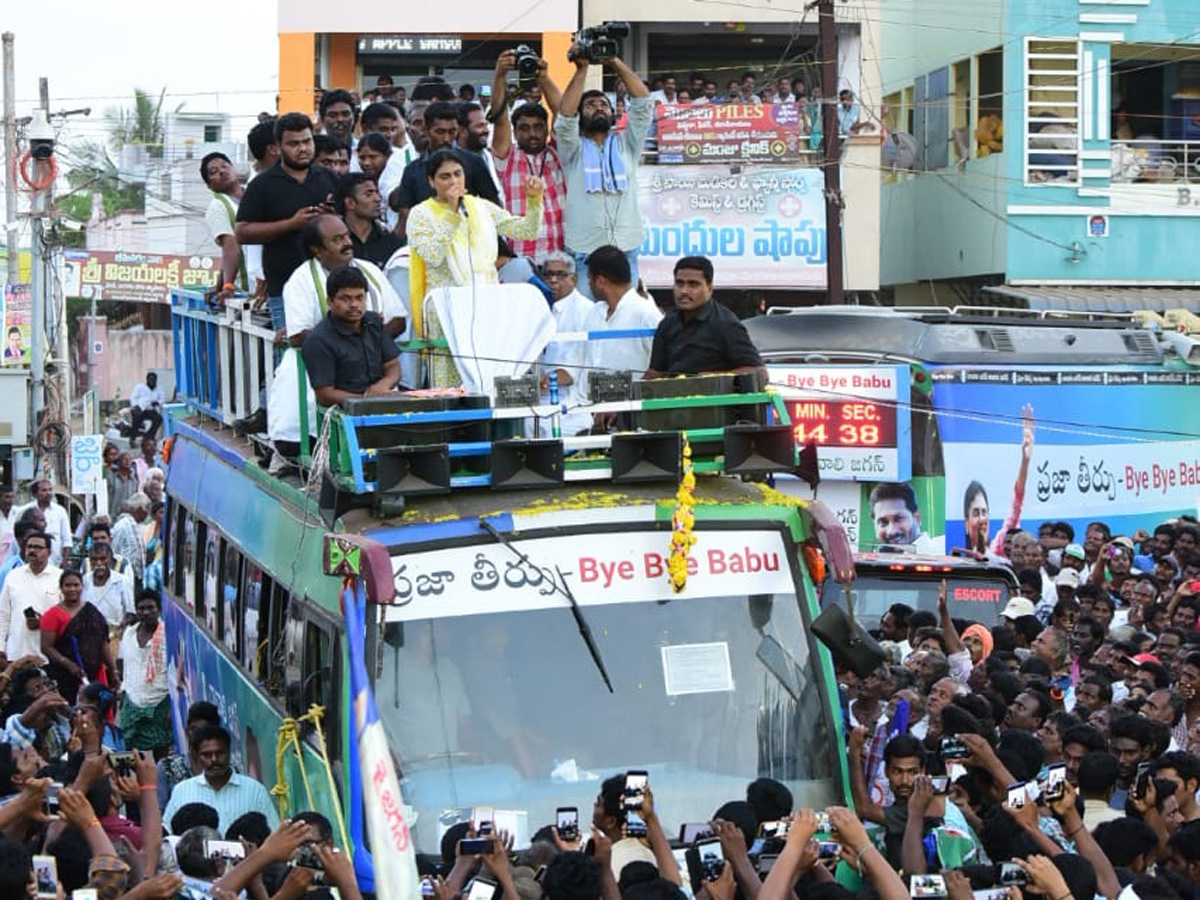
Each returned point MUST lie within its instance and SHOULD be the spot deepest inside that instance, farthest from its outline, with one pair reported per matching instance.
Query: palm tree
(141, 125)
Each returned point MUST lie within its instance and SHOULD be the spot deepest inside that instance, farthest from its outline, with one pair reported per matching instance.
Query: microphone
(462, 208)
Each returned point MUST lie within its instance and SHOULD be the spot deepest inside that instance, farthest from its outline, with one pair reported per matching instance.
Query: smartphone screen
(690, 832)
(712, 859)
(635, 787)
(1017, 795)
(635, 825)
(481, 889)
(941, 784)
(828, 849)
(1011, 874)
(45, 874)
(1056, 781)
(1141, 781)
(567, 822)
(927, 886)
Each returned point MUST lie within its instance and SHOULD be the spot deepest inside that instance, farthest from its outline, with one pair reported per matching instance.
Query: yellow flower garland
(683, 520)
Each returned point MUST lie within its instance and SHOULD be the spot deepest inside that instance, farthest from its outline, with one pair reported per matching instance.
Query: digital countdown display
(859, 418)
(844, 423)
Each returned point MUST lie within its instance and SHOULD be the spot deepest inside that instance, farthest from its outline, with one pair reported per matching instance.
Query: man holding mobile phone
(280, 201)
(609, 817)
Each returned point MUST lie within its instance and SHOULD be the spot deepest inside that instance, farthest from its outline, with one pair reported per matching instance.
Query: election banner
(761, 228)
(135, 277)
(18, 303)
(729, 132)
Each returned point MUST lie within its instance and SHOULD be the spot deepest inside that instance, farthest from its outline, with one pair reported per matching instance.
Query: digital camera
(598, 43)
(528, 66)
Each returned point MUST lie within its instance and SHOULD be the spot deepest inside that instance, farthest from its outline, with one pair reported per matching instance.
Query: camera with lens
(598, 43)
(41, 137)
(528, 66)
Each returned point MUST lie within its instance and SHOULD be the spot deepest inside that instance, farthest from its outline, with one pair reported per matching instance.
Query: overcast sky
(213, 57)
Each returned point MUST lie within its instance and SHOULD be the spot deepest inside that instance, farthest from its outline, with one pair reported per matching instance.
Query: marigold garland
(683, 520)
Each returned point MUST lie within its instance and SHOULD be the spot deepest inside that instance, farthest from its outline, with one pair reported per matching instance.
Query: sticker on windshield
(697, 668)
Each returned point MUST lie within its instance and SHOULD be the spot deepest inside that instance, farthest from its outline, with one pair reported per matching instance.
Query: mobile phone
(306, 858)
(426, 886)
(1056, 782)
(953, 748)
(52, 798)
(123, 762)
(635, 825)
(828, 849)
(927, 886)
(823, 825)
(481, 889)
(85, 894)
(45, 874)
(776, 829)
(706, 861)
(474, 846)
(540, 875)
(1010, 874)
(567, 822)
(1141, 781)
(1017, 796)
(991, 894)
(941, 784)
(635, 787)
(228, 850)
(483, 817)
(690, 832)
(766, 862)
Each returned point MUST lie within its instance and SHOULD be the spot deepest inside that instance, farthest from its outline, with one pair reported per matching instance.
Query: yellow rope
(315, 715)
(289, 735)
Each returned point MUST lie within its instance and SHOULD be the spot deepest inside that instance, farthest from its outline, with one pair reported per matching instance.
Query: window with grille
(1052, 78)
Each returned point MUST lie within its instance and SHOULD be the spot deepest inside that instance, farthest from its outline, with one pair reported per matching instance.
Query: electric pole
(10, 160)
(40, 209)
(833, 154)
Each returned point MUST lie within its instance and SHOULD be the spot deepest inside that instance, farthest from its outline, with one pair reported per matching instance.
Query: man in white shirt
(58, 523)
(146, 406)
(665, 94)
(27, 593)
(108, 590)
(620, 307)
(327, 240)
(8, 518)
(566, 358)
(221, 218)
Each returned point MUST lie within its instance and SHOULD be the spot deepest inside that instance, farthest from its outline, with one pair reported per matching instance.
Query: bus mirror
(833, 540)
(847, 641)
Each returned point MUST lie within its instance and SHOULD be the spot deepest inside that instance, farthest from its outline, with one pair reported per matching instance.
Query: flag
(394, 859)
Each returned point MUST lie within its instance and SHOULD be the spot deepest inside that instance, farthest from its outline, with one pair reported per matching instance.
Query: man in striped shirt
(230, 794)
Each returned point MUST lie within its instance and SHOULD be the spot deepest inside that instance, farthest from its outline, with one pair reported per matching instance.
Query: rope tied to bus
(289, 736)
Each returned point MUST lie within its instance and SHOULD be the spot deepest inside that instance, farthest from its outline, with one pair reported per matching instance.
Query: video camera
(598, 43)
(528, 66)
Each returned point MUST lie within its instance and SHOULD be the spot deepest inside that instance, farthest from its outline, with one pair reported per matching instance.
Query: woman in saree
(75, 640)
(452, 239)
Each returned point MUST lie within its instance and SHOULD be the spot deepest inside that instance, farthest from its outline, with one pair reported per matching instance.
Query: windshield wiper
(561, 586)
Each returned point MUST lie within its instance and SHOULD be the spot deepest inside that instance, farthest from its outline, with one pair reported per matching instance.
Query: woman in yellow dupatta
(450, 249)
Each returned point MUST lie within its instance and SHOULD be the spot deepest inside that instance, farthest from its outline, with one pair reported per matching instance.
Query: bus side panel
(198, 670)
(1124, 454)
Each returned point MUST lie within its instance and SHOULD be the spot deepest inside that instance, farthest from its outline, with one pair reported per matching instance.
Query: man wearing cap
(1073, 558)
(1114, 565)
(1065, 583)
(1016, 608)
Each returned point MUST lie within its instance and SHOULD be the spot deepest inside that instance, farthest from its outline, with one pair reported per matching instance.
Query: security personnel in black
(700, 335)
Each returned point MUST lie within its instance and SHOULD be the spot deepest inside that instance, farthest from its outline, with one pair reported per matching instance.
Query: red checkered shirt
(513, 170)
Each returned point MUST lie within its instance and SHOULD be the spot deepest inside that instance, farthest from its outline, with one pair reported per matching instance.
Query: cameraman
(528, 127)
(601, 165)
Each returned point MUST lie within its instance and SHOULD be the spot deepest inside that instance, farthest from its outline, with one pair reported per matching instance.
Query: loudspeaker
(335, 502)
(527, 464)
(647, 457)
(759, 449)
(412, 471)
(848, 641)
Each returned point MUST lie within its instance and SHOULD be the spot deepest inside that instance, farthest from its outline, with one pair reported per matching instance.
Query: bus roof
(859, 334)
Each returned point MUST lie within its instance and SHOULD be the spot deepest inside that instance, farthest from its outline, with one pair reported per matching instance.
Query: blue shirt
(239, 796)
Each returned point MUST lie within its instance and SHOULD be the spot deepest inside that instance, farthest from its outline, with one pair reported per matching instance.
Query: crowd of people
(431, 189)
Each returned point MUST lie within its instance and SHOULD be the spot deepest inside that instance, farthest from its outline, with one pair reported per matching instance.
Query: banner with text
(135, 277)
(18, 302)
(729, 132)
(597, 569)
(764, 228)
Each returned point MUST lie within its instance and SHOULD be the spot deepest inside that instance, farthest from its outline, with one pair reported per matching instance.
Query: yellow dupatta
(471, 254)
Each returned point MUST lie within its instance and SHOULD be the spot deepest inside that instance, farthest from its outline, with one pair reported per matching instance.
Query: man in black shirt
(441, 129)
(280, 201)
(349, 354)
(700, 335)
(357, 199)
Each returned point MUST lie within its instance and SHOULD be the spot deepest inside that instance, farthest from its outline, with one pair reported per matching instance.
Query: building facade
(1040, 146)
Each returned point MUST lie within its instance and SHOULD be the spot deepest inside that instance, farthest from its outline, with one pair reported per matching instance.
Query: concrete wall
(123, 358)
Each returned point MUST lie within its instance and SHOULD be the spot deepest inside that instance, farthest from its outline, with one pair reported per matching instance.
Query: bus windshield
(978, 599)
(508, 709)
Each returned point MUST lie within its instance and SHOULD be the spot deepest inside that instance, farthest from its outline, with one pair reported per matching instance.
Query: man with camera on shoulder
(529, 126)
(601, 165)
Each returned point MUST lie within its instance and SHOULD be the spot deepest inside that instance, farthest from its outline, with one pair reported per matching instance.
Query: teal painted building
(1040, 144)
